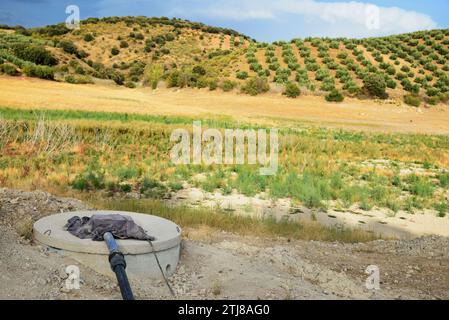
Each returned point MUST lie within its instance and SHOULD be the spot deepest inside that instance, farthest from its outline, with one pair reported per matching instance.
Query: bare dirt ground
(273, 109)
(223, 265)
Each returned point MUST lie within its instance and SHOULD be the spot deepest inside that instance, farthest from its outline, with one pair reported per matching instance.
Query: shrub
(430, 66)
(169, 37)
(312, 66)
(405, 69)
(115, 51)
(327, 85)
(282, 75)
(79, 70)
(412, 100)
(149, 44)
(408, 86)
(199, 70)
(242, 75)
(88, 37)
(173, 79)
(256, 67)
(78, 79)
(43, 72)
(82, 54)
(117, 77)
(353, 89)
(444, 179)
(391, 70)
(54, 30)
(265, 72)
(442, 208)
(9, 69)
(213, 85)
(391, 84)
(152, 74)
(70, 79)
(420, 186)
(444, 97)
(165, 51)
(334, 45)
(35, 54)
(334, 96)
(292, 90)
(130, 84)
(147, 48)
(374, 85)
(200, 83)
(321, 74)
(124, 44)
(228, 85)
(89, 180)
(68, 46)
(431, 92)
(152, 188)
(433, 100)
(342, 55)
(274, 66)
(137, 69)
(255, 86)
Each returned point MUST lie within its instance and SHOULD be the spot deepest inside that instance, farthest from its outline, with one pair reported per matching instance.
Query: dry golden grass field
(29, 93)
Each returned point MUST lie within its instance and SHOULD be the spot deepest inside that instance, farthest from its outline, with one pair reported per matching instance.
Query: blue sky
(264, 20)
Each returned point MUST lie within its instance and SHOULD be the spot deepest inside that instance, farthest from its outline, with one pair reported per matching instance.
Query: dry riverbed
(379, 221)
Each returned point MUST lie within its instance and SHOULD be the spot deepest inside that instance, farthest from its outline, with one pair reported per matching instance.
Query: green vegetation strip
(432, 141)
(316, 166)
(36, 114)
(187, 217)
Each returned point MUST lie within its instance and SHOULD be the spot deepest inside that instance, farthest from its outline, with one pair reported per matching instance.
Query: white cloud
(229, 10)
(342, 17)
(357, 14)
(231, 14)
(306, 17)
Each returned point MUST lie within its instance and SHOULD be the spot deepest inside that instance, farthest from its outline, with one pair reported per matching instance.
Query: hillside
(139, 51)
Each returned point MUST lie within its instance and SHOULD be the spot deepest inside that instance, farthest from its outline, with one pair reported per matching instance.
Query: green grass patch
(186, 217)
(51, 115)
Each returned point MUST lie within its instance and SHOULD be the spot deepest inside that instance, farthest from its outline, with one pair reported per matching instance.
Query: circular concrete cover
(50, 231)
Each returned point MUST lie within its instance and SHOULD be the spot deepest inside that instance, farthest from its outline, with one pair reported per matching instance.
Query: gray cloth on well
(121, 227)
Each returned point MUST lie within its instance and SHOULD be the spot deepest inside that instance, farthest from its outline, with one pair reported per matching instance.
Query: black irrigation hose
(123, 283)
(118, 265)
